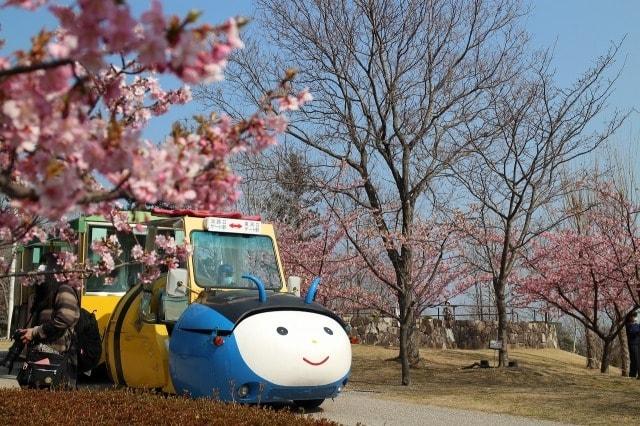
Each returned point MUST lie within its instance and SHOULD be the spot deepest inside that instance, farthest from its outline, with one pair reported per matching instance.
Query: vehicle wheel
(308, 404)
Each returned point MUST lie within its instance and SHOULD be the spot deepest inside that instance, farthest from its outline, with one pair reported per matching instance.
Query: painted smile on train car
(294, 348)
(316, 363)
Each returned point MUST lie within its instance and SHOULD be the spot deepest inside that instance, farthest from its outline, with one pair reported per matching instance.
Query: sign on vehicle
(236, 226)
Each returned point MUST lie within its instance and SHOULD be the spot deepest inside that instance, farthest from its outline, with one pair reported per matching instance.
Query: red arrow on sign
(235, 225)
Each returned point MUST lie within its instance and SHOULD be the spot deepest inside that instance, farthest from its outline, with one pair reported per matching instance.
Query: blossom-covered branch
(73, 107)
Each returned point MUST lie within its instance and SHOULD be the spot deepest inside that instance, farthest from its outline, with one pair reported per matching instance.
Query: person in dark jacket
(56, 311)
(633, 340)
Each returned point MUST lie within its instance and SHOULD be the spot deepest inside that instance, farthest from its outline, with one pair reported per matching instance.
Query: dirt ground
(548, 384)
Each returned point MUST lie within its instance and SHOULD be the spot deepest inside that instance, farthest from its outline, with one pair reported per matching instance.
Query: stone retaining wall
(452, 334)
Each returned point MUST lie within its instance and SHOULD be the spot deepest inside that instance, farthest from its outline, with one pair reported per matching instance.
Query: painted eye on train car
(282, 331)
(328, 331)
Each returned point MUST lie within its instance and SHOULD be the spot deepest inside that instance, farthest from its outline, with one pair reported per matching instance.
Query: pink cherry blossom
(73, 109)
(26, 4)
(353, 279)
(120, 221)
(137, 252)
(589, 271)
(289, 103)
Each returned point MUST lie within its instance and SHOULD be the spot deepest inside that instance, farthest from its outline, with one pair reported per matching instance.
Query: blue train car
(224, 324)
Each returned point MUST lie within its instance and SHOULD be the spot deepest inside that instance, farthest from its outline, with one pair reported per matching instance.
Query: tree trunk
(501, 306)
(406, 331)
(413, 347)
(479, 301)
(624, 353)
(404, 355)
(4, 306)
(606, 355)
(591, 349)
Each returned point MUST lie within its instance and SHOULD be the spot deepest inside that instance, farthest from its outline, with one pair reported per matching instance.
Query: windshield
(220, 260)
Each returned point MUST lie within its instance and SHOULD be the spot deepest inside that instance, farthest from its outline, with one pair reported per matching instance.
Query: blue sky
(578, 31)
(581, 30)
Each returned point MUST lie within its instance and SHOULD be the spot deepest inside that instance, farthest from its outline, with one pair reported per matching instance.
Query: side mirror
(177, 282)
(293, 285)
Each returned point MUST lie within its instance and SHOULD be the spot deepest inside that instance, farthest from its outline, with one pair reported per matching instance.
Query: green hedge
(118, 407)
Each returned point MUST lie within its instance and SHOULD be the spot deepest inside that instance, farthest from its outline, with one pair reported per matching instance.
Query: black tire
(308, 404)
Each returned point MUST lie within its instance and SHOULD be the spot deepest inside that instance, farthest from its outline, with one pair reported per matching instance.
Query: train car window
(179, 236)
(123, 277)
(36, 255)
(220, 260)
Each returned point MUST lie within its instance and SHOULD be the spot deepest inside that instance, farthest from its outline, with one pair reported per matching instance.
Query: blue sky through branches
(577, 30)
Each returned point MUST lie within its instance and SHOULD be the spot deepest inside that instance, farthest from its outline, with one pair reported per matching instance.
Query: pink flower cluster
(194, 53)
(588, 271)
(69, 267)
(313, 249)
(73, 106)
(167, 254)
(364, 278)
(26, 4)
(294, 102)
(108, 250)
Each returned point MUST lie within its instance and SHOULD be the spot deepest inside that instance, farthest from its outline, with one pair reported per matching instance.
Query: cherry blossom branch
(22, 69)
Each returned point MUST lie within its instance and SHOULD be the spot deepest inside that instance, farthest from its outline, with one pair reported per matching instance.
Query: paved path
(6, 380)
(365, 408)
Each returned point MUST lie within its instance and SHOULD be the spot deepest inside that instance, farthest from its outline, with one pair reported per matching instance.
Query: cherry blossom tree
(589, 271)
(73, 107)
(312, 247)
(356, 273)
(439, 272)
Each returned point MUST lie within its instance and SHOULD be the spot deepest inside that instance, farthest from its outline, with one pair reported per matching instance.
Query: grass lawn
(548, 384)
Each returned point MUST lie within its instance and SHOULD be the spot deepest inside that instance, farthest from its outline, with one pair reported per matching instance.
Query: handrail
(313, 288)
(262, 293)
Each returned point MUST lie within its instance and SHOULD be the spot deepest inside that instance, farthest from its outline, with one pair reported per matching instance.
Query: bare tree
(538, 129)
(276, 185)
(401, 88)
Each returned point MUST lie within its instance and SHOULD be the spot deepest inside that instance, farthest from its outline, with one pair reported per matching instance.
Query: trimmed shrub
(117, 407)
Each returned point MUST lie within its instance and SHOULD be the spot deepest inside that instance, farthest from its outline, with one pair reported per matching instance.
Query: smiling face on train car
(294, 348)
